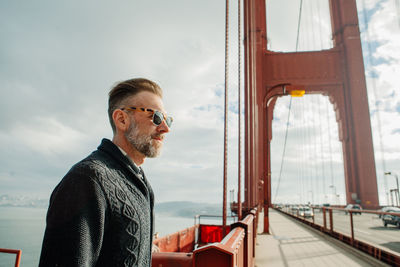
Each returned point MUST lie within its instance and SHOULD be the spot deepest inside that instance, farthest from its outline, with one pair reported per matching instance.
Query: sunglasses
(158, 116)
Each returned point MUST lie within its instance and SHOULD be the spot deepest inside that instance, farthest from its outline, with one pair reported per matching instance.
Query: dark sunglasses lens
(157, 118)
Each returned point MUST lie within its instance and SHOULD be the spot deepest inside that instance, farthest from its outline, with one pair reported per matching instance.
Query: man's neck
(132, 153)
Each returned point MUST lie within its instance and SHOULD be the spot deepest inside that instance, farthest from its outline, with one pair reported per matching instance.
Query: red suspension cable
(239, 116)
(226, 117)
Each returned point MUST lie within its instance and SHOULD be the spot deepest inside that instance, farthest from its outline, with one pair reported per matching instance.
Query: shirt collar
(131, 161)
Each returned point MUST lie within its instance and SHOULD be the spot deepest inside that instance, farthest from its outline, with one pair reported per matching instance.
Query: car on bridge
(352, 207)
(306, 212)
(391, 219)
(385, 209)
(294, 209)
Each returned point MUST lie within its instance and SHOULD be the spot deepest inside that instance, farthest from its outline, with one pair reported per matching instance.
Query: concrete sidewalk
(294, 244)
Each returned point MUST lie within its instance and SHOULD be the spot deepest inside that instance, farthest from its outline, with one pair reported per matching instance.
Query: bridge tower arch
(337, 72)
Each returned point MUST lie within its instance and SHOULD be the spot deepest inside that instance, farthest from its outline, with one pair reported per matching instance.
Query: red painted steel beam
(254, 41)
(358, 150)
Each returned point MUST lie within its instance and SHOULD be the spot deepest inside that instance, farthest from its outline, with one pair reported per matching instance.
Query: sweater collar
(130, 160)
(109, 147)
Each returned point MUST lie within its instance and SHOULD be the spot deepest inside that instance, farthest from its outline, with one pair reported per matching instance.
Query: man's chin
(154, 154)
(155, 149)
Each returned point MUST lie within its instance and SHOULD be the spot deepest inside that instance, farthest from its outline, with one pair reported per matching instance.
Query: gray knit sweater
(100, 214)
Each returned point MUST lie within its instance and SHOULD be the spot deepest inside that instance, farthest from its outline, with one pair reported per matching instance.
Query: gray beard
(142, 143)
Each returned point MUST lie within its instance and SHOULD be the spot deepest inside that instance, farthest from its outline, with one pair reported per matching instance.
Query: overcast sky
(59, 60)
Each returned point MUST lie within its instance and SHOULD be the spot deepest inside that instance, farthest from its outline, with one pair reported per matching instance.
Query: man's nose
(163, 127)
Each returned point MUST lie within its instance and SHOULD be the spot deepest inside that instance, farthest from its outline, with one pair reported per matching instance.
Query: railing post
(324, 216)
(331, 220)
(18, 258)
(313, 217)
(352, 227)
(179, 241)
(17, 253)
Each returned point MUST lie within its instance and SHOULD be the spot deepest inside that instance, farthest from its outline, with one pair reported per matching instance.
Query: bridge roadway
(367, 227)
(292, 243)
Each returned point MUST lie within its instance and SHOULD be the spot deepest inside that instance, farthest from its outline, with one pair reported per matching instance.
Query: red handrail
(17, 253)
(235, 249)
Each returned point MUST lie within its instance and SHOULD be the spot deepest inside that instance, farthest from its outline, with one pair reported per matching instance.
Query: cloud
(384, 29)
(58, 63)
(59, 60)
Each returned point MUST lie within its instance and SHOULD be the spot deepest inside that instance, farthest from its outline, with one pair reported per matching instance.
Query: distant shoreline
(184, 209)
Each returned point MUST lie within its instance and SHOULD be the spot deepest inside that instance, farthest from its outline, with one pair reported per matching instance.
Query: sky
(59, 60)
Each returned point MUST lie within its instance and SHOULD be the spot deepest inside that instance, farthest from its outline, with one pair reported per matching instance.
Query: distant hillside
(187, 208)
(23, 201)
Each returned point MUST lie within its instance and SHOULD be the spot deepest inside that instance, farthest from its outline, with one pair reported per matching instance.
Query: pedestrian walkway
(292, 243)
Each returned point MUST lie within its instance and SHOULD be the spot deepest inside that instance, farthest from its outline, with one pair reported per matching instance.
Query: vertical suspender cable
(319, 24)
(239, 116)
(299, 163)
(225, 117)
(308, 153)
(315, 155)
(288, 119)
(311, 17)
(307, 23)
(322, 149)
(330, 152)
(284, 149)
(303, 151)
(302, 105)
(298, 26)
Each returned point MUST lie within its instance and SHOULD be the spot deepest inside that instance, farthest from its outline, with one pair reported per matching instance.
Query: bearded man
(101, 213)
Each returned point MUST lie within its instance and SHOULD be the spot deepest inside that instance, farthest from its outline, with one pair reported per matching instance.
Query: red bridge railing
(181, 241)
(204, 246)
(17, 253)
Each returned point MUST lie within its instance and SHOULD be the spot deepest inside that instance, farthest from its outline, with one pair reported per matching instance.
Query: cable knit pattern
(101, 214)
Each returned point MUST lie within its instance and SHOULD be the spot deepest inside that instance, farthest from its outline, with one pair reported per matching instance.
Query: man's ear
(121, 120)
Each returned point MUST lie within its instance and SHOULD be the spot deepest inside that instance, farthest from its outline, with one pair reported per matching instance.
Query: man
(101, 213)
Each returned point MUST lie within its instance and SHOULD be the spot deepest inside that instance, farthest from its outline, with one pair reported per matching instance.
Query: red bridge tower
(337, 72)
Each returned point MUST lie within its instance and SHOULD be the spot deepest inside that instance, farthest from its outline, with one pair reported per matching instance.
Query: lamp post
(397, 184)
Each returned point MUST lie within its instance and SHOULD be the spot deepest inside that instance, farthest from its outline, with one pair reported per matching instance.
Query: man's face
(143, 134)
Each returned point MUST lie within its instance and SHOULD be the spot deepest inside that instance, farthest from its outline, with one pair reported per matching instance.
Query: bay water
(23, 228)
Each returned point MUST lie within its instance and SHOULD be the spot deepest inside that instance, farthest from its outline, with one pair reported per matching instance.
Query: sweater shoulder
(92, 166)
